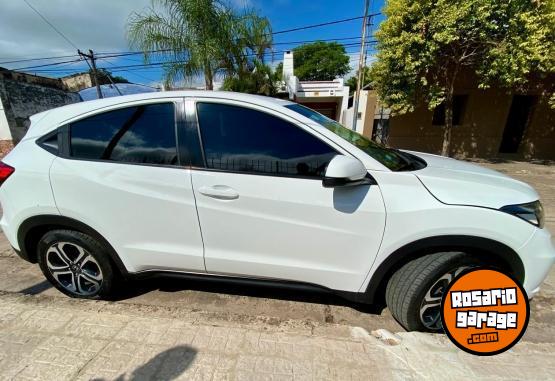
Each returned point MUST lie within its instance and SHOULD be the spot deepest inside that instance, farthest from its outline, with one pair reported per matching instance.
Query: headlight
(531, 212)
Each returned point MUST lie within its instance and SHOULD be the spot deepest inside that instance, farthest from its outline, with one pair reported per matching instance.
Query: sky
(100, 25)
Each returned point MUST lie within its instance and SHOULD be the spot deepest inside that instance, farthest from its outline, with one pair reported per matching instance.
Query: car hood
(460, 183)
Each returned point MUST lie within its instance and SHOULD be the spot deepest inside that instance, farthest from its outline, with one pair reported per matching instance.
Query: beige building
(77, 82)
(488, 123)
(366, 118)
(327, 97)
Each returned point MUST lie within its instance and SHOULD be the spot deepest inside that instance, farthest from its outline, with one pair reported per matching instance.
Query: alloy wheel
(74, 268)
(430, 308)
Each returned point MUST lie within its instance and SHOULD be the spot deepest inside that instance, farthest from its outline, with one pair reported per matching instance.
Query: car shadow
(36, 288)
(168, 284)
(348, 199)
(167, 365)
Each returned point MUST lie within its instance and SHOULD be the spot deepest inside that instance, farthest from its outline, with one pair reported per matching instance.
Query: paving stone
(59, 358)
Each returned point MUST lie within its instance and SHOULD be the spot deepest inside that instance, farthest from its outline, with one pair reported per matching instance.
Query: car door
(262, 208)
(123, 175)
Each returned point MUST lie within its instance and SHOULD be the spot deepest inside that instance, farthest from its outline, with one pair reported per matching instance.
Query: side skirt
(355, 297)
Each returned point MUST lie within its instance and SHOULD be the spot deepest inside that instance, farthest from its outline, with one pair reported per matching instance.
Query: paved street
(169, 329)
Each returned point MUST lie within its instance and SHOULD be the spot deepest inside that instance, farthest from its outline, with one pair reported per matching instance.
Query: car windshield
(392, 159)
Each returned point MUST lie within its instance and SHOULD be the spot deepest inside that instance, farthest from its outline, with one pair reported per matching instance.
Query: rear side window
(240, 139)
(50, 142)
(142, 134)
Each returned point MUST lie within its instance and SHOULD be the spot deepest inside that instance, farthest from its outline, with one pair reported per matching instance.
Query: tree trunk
(446, 148)
(208, 79)
(448, 125)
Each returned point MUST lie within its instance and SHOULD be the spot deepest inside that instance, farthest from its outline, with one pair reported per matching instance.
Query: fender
(33, 228)
(489, 248)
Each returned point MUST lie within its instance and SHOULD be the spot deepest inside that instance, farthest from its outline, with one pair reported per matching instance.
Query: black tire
(86, 274)
(407, 288)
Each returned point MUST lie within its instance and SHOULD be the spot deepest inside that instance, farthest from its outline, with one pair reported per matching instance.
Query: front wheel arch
(491, 251)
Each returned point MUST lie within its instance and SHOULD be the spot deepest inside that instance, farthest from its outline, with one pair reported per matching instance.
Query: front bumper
(537, 255)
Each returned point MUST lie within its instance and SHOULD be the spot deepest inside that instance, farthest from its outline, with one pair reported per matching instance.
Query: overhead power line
(105, 55)
(38, 59)
(133, 53)
(51, 25)
(157, 64)
(46, 65)
(322, 24)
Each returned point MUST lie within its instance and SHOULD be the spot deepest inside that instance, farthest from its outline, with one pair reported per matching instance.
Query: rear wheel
(76, 264)
(414, 292)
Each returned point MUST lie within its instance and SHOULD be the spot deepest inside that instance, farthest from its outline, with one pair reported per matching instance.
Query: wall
(481, 129)
(77, 82)
(5, 133)
(23, 95)
(539, 138)
(366, 109)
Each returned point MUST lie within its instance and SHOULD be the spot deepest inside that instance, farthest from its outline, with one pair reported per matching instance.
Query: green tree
(321, 61)
(279, 71)
(199, 38)
(243, 62)
(352, 82)
(261, 80)
(423, 46)
(105, 77)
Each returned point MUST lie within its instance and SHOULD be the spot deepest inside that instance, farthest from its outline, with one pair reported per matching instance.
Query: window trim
(252, 106)
(64, 131)
(41, 142)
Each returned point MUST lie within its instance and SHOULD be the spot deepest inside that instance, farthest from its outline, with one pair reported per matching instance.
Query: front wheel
(76, 264)
(414, 292)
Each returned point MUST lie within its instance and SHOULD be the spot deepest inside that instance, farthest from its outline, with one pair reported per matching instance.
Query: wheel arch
(495, 252)
(32, 229)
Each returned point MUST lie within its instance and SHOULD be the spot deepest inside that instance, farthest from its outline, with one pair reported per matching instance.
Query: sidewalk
(82, 340)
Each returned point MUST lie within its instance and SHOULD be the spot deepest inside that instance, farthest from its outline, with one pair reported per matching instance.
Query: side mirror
(346, 171)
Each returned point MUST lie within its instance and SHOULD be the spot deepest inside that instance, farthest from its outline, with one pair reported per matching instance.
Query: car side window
(142, 134)
(240, 139)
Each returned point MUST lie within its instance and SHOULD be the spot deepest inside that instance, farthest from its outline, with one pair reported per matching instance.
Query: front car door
(123, 175)
(262, 208)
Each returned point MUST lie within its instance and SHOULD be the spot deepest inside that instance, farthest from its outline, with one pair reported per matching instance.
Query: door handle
(220, 192)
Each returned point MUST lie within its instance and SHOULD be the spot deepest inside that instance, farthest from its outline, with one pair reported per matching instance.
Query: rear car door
(122, 174)
(262, 208)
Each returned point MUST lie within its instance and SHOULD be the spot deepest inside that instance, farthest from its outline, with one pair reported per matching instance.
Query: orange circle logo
(485, 312)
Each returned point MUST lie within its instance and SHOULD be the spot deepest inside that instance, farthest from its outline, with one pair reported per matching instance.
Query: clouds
(97, 25)
(100, 25)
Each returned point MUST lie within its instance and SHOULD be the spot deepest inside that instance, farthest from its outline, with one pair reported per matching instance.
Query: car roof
(43, 122)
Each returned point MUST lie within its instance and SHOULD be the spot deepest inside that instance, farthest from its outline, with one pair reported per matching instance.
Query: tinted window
(141, 134)
(246, 140)
(392, 159)
(50, 142)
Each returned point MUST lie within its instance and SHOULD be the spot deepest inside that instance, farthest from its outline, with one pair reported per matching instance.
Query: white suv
(246, 187)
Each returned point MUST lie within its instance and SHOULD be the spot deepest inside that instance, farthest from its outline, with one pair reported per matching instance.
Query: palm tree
(244, 64)
(199, 37)
(260, 80)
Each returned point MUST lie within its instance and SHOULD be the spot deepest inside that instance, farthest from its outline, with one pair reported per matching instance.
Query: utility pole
(93, 69)
(361, 63)
(113, 84)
